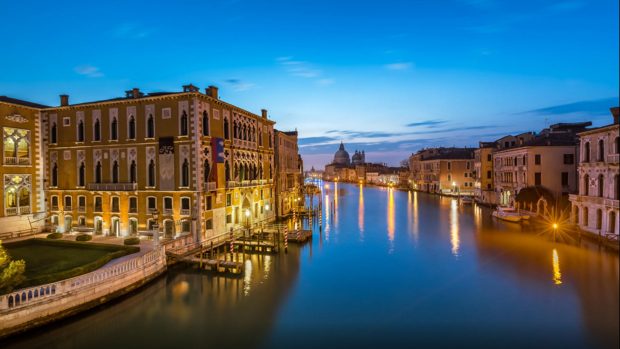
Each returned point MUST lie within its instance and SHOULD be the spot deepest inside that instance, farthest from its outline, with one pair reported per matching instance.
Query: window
(133, 172)
(228, 219)
(116, 207)
(228, 199)
(98, 172)
(209, 203)
(569, 159)
(207, 170)
(468, 165)
(80, 131)
(564, 179)
(226, 129)
(586, 152)
(114, 129)
(131, 131)
(115, 172)
(186, 226)
(488, 174)
(68, 203)
(617, 142)
(150, 127)
(586, 185)
(16, 146)
(55, 175)
(66, 121)
(98, 204)
(599, 219)
(205, 123)
(489, 157)
(97, 130)
(537, 159)
(167, 205)
(601, 150)
(449, 167)
(209, 224)
(151, 204)
(183, 126)
(537, 178)
(53, 134)
(81, 175)
(151, 174)
(185, 204)
(227, 170)
(601, 185)
(54, 203)
(133, 204)
(185, 174)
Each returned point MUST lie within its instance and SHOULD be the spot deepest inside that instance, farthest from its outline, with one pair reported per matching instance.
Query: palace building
(289, 173)
(186, 161)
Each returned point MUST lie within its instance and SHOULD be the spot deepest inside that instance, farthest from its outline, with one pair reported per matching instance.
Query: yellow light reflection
(390, 214)
(336, 194)
(247, 277)
(267, 266)
(454, 228)
(360, 212)
(416, 220)
(557, 274)
(327, 207)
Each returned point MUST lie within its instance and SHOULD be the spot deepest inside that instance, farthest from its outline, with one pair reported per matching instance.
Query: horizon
(389, 80)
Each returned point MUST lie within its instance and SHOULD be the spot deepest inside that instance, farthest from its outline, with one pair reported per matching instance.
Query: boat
(467, 200)
(509, 214)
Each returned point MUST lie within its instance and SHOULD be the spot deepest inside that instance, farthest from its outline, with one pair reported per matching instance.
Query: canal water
(388, 269)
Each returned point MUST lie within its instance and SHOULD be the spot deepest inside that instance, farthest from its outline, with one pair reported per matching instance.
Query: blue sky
(389, 77)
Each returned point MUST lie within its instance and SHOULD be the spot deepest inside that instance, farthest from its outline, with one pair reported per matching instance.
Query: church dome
(342, 156)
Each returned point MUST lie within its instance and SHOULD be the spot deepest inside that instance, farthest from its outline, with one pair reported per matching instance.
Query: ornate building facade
(595, 208)
(289, 173)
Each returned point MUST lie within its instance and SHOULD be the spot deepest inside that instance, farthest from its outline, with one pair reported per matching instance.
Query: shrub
(84, 237)
(132, 241)
(54, 236)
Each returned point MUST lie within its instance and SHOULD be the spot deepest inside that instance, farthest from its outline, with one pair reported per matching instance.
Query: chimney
(615, 111)
(190, 88)
(135, 92)
(64, 100)
(212, 92)
(264, 113)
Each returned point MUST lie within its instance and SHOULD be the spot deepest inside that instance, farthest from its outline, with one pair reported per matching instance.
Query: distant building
(341, 157)
(443, 170)
(484, 188)
(595, 207)
(359, 158)
(289, 171)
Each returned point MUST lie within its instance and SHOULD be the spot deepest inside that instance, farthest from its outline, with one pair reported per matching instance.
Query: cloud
(131, 31)
(315, 140)
(588, 108)
(88, 70)
(427, 123)
(239, 85)
(326, 82)
(303, 69)
(400, 66)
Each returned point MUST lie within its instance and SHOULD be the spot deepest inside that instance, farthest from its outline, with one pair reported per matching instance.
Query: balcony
(17, 211)
(167, 212)
(210, 186)
(612, 203)
(81, 208)
(185, 212)
(112, 186)
(612, 158)
(11, 160)
(68, 208)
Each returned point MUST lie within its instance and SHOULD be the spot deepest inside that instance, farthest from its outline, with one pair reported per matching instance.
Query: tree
(11, 272)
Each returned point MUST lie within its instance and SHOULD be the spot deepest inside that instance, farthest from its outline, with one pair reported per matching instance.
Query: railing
(112, 186)
(11, 160)
(185, 212)
(210, 186)
(612, 158)
(612, 203)
(12, 211)
(81, 208)
(167, 211)
(57, 290)
(68, 208)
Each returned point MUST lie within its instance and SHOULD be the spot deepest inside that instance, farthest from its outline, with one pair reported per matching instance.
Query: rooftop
(22, 102)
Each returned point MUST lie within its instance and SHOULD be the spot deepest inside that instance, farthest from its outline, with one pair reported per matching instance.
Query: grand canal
(389, 269)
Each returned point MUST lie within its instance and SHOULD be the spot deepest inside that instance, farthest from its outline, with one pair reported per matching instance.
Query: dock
(216, 265)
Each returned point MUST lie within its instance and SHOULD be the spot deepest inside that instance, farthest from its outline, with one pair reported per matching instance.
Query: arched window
(184, 124)
(599, 219)
(81, 174)
(227, 170)
(586, 185)
(132, 128)
(53, 133)
(617, 142)
(586, 152)
(114, 129)
(586, 217)
(55, 175)
(601, 150)
(151, 173)
(150, 127)
(235, 130)
(80, 131)
(98, 172)
(616, 187)
(205, 123)
(97, 130)
(207, 170)
(185, 174)
(133, 175)
(226, 130)
(115, 172)
(601, 185)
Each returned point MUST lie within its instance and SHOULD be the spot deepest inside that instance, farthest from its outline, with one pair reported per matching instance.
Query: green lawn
(53, 260)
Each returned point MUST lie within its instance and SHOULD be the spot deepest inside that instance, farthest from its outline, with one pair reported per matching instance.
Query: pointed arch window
(81, 175)
(133, 175)
(227, 170)
(226, 130)
(115, 172)
(80, 130)
(54, 133)
(205, 123)
(586, 185)
(152, 173)
(98, 172)
(55, 175)
(185, 174)
(207, 170)
(131, 127)
(601, 185)
(601, 150)
(97, 130)
(150, 127)
(114, 129)
(586, 152)
(184, 128)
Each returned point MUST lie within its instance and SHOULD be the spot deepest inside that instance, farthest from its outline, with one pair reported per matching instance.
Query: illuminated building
(289, 172)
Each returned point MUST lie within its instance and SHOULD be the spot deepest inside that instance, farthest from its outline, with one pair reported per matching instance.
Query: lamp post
(156, 228)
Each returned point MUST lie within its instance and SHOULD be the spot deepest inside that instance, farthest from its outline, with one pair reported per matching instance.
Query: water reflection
(557, 274)
(360, 212)
(391, 213)
(327, 209)
(454, 227)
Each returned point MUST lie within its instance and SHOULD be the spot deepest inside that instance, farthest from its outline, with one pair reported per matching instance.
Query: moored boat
(509, 214)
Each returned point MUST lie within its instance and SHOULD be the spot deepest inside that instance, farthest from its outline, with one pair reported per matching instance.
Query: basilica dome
(342, 156)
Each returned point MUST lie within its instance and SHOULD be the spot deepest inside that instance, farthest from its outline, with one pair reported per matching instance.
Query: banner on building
(166, 163)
